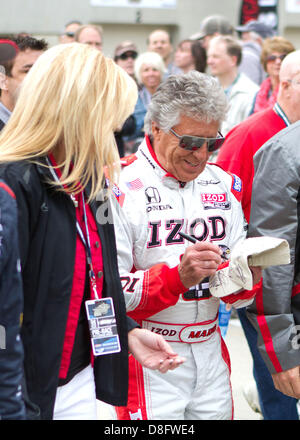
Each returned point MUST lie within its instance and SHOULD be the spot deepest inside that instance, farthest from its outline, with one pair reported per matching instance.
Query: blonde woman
(52, 154)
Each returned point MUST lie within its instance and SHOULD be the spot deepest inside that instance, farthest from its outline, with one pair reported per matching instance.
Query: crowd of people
(125, 185)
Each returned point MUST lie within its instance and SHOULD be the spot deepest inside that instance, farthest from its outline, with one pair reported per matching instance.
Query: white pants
(199, 389)
(77, 399)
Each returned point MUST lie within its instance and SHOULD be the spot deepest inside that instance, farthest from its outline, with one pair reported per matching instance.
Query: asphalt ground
(241, 370)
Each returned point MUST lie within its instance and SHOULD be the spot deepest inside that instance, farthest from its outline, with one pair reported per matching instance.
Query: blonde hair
(73, 98)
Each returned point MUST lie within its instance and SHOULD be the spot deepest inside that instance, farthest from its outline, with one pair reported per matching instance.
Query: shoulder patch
(236, 186)
(127, 160)
(135, 185)
(120, 196)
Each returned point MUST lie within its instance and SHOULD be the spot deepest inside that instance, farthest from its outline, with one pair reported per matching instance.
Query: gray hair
(150, 58)
(194, 94)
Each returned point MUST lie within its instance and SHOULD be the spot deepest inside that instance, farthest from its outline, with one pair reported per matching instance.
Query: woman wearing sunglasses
(274, 50)
(168, 188)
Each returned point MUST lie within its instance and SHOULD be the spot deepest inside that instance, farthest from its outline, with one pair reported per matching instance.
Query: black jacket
(127, 130)
(47, 235)
(11, 305)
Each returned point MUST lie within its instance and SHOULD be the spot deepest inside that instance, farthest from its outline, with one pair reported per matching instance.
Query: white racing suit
(150, 207)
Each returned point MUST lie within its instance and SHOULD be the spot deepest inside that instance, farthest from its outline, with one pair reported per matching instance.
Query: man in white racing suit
(166, 188)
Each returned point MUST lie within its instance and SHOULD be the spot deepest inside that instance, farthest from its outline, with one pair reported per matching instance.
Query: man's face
(23, 63)
(184, 165)
(92, 37)
(218, 60)
(160, 42)
(294, 98)
(68, 35)
(127, 62)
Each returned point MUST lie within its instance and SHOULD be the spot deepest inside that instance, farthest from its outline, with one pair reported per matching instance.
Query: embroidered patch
(236, 186)
(237, 183)
(120, 196)
(214, 201)
(135, 184)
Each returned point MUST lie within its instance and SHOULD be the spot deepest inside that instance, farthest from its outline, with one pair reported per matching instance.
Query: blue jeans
(274, 405)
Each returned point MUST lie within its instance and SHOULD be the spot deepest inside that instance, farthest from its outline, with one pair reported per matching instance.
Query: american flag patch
(135, 184)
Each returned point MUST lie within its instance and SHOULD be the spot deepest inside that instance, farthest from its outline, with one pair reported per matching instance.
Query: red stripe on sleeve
(161, 289)
(265, 331)
(295, 290)
(267, 337)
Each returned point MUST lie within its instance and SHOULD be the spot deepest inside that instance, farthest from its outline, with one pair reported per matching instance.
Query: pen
(193, 240)
(187, 237)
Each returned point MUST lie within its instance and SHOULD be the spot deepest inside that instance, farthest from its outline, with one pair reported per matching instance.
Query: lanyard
(85, 240)
(87, 244)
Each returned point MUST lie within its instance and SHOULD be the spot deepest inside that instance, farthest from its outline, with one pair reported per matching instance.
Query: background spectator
(8, 52)
(224, 57)
(149, 71)
(29, 50)
(236, 156)
(273, 52)
(68, 35)
(212, 26)
(275, 212)
(190, 55)
(125, 56)
(159, 41)
(253, 33)
(90, 34)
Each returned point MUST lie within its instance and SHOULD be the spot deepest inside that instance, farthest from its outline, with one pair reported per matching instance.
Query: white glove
(256, 251)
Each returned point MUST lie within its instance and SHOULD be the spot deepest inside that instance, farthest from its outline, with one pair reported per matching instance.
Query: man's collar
(280, 112)
(162, 169)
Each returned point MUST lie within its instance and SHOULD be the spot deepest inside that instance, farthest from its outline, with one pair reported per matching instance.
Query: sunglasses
(193, 143)
(276, 57)
(69, 34)
(127, 55)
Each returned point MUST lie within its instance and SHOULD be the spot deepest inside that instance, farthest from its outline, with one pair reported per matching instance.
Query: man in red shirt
(242, 142)
(236, 156)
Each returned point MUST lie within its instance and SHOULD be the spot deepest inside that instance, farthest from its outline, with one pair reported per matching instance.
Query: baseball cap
(259, 27)
(125, 46)
(212, 24)
(8, 50)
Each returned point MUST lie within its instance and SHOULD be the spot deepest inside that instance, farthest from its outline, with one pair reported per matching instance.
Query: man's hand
(288, 382)
(152, 351)
(244, 297)
(199, 261)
